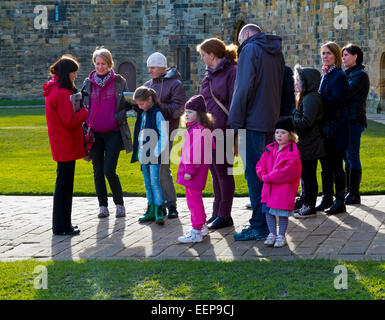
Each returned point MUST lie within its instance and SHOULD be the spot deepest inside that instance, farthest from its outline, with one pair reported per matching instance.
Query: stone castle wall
(132, 30)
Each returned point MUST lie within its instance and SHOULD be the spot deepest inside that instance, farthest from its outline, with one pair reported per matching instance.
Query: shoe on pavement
(280, 241)
(221, 222)
(192, 236)
(120, 211)
(205, 231)
(103, 212)
(211, 219)
(172, 212)
(270, 240)
(250, 234)
(305, 212)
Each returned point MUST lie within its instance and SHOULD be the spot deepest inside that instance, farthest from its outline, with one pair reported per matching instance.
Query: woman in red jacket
(66, 138)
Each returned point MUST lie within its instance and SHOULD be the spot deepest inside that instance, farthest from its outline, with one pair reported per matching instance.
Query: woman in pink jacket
(280, 170)
(195, 163)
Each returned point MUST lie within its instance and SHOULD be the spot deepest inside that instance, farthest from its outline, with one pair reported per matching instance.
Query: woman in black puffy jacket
(352, 56)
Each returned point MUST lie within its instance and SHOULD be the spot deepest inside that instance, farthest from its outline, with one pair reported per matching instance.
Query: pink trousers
(196, 207)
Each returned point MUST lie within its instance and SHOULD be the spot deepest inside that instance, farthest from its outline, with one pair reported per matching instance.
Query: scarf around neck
(102, 81)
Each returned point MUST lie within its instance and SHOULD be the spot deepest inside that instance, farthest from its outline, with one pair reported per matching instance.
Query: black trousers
(62, 198)
(333, 171)
(105, 154)
(309, 181)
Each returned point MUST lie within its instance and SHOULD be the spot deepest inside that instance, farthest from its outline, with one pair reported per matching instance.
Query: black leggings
(309, 181)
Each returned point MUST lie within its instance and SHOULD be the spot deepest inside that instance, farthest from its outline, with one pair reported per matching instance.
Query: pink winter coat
(194, 156)
(281, 172)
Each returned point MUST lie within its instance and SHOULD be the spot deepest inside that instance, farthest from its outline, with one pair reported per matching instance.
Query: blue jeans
(152, 183)
(255, 146)
(352, 155)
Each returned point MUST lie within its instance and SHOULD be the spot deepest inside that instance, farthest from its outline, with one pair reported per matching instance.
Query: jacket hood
(49, 85)
(310, 79)
(171, 73)
(272, 44)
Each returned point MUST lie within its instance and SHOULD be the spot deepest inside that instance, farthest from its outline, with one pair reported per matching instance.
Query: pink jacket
(195, 156)
(281, 172)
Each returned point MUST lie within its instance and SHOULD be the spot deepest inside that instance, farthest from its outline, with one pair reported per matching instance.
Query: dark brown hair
(62, 68)
(354, 49)
(143, 93)
(218, 48)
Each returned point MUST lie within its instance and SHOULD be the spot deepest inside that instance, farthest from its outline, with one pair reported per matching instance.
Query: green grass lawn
(170, 279)
(28, 168)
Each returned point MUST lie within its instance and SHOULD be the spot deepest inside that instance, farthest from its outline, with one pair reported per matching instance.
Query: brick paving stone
(355, 247)
(25, 224)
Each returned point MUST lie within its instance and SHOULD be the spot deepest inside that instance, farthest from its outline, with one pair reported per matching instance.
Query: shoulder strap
(217, 101)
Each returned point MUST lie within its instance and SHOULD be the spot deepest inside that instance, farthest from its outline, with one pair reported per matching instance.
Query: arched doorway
(128, 71)
(382, 82)
(238, 27)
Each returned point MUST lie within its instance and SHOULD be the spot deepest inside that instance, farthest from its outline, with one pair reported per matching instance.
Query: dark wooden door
(128, 71)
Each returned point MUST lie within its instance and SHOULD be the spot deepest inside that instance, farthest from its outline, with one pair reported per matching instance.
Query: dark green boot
(149, 215)
(158, 212)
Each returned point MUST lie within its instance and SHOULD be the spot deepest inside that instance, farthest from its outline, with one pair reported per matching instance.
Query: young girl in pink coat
(194, 164)
(280, 170)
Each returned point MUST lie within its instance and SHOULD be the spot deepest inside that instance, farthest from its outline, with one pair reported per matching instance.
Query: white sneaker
(270, 240)
(192, 236)
(205, 231)
(280, 241)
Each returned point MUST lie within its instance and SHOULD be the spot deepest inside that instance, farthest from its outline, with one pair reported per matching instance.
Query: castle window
(184, 62)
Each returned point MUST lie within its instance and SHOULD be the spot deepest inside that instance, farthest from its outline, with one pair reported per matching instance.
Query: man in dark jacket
(256, 107)
(172, 96)
(288, 96)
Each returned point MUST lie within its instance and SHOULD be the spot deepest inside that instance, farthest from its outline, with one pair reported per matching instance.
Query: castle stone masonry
(35, 33)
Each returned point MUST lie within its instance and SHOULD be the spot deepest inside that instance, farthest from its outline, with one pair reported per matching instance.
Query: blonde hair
(293, 136)
(335, 49)
(218, 48)
(105, 54)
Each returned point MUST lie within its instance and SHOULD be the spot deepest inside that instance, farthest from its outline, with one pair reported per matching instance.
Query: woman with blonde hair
(334, 90)
(109, 123)
(217, 89)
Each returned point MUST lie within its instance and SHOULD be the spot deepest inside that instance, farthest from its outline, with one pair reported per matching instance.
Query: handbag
(89, 136)
(227, 114)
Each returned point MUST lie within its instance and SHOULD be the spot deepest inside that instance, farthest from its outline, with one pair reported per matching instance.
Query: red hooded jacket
(64, 125)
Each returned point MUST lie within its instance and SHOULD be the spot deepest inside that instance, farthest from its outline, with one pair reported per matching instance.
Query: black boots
(172, 212)
(353, 186)
(339, 204)
(327, 191)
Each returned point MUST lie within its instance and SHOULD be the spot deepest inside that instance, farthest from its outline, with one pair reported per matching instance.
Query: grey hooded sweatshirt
(258, 86)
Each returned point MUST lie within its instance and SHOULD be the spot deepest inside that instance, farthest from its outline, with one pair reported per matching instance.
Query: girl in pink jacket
(194, 164)
(280, 170)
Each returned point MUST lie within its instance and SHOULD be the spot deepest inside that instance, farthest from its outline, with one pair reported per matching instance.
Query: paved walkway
(25, 232)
